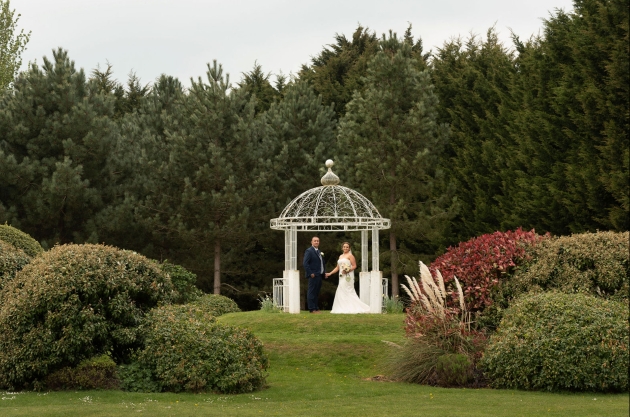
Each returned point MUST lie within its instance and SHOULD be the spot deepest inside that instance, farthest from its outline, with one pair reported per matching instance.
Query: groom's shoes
(315, 312)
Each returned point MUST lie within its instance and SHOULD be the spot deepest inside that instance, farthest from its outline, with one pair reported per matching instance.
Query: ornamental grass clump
(268, 305)
(559, 342)
(435, 333)
(393, 305)
(72, 303)
(187, 350)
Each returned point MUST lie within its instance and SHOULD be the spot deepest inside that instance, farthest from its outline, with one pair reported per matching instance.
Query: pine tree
(392, 143)
(138, 150)
(300, 136)
(204, 192)
(53, 161)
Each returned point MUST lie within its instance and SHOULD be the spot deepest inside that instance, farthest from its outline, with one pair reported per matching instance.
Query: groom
(314, 267)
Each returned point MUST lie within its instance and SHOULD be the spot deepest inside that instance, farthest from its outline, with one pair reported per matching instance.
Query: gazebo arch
(332, 207)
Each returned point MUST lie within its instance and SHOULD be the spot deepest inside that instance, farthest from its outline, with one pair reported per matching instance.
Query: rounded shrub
(72, 303)
(216, 305)
(187, 350)
(555, 341)
(184, 282)
(484, 263)
(589, 263)
(99, 372)
(453, 370)
(12, 260)
(20, 240)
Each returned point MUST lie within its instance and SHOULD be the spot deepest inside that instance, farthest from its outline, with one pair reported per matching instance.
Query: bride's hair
(349, 246)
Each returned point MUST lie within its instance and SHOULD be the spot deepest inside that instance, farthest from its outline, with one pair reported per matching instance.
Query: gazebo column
(376, 278)
(364, 275)
(291, 273)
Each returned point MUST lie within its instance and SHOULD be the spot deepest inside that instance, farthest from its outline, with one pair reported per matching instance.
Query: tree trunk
(217, 266)
(392, 246)
(394, 263)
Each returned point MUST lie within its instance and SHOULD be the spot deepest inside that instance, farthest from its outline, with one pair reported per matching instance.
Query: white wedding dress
(346, 299)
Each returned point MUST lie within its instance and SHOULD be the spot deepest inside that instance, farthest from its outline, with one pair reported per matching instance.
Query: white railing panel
(281, 293)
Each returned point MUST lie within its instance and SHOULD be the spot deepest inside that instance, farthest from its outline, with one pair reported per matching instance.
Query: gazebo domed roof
(330, 207)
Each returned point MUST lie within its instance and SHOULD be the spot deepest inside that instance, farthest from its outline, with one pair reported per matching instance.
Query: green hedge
(184, 282)
(72, 303)
(99, 372)
(216, 305)
(589, 263)
(187, 350)
(20, 240)
(556, 341)
(12, 260)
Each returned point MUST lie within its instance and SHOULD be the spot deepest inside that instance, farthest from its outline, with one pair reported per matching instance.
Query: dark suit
(313, 265)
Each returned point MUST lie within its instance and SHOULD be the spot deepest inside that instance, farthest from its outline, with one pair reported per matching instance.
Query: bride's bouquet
(345, 270)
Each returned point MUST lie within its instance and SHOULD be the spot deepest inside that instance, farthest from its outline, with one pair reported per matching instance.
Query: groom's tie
(321, 261)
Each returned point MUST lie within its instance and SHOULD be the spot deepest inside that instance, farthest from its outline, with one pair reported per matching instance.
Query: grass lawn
(321, 365)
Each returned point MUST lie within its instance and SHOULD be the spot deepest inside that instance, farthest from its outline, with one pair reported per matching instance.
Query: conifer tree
(339, 70)
(572, 122)
(53, 160)
(137, 151)
(300, 136)
(204, 193)
(392, 143)
(127, 100)
(256, 83)
(472, 80)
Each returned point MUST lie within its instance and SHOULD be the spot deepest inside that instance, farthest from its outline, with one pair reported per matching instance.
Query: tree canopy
(472, 138)
(12, 44)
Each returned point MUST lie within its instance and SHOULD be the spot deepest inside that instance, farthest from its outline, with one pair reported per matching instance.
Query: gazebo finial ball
(329, 163)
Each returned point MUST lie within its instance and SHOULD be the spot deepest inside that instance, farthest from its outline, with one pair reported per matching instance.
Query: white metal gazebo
(328, 208)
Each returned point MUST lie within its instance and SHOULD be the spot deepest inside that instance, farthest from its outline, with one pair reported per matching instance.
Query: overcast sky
(178, 37)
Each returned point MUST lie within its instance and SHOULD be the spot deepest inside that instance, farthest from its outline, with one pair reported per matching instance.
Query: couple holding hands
(346, 299)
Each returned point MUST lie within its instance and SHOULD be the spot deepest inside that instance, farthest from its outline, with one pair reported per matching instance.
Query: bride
(346, 299)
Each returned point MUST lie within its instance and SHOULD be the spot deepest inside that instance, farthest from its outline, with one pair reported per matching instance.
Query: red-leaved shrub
(482, 262)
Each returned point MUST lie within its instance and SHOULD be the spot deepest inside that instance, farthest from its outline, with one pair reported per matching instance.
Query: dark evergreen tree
(56, 138)
(300, 136)
(472, 80)
(339, 70)
(140, 147)
(593, 95)
(572, 122)
(392, 143)
(204, 193)
(336, 72)
(256, 83)
(127, 100)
